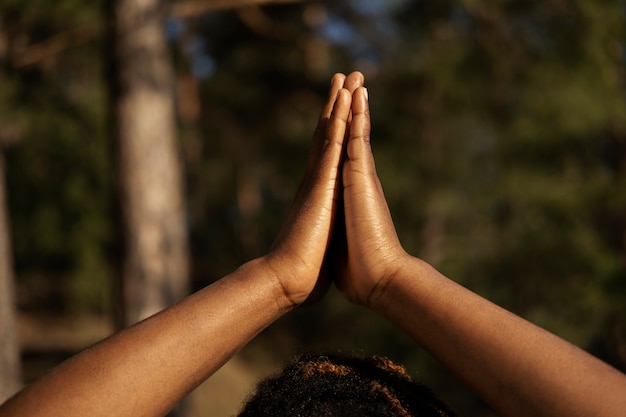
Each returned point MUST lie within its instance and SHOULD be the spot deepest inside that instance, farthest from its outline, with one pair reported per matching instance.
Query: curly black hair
(333, 385)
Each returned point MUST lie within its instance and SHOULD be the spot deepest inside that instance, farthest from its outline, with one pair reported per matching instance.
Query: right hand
(374, 252)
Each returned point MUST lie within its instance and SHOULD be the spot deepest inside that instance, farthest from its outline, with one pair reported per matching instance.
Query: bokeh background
(499, 131)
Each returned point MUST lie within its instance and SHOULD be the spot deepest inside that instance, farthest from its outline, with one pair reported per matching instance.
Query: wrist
(401, 277)
(287, 279)
(262, 285)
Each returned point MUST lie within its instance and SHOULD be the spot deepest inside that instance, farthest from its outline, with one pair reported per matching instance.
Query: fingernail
(367, 96)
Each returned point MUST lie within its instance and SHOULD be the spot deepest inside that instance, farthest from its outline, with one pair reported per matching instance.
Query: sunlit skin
(339, 226)
(146, 369)
(519, 369)
(303, 241)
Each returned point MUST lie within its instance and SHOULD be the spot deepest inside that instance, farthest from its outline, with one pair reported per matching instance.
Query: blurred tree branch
(260, 23)
(41, 52)
(193, 8)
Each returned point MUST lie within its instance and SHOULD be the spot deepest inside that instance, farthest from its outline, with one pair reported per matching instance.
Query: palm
(372, 242)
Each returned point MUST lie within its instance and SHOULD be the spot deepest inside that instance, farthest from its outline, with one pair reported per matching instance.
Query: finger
(337, 125)
(325, 155)
(336, 84)
(358, 147)
(353, 81)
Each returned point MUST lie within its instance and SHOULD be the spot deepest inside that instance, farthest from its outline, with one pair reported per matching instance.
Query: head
(341, 386)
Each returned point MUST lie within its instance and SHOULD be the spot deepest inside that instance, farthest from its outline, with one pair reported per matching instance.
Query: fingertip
(344, 93)
(354, 81)
(360, 100)
(358, 75)
(342, 102)
(360, 126)
(337, 80)
(336, 84)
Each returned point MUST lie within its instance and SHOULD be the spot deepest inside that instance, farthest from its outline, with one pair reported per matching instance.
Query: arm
(516, 367)
(146, 369)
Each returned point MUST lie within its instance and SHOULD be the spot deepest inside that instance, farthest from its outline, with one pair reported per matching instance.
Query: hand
(374, 252)
(297, 255)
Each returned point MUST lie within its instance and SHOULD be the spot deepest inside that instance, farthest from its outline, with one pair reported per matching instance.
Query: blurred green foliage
(499, 130)
(58, 170)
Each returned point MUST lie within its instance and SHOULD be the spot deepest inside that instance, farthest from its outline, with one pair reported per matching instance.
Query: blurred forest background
(499, 130)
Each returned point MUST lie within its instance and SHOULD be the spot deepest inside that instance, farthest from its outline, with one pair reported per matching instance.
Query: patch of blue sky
(174, 28)
(202, 66)
(339, 32)
(380, 14)
(194, 45)
(381, 31)
(386, 27)
(376, 7)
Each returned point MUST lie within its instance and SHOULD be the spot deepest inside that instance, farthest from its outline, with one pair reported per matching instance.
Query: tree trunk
(155, 256)
(9, 353)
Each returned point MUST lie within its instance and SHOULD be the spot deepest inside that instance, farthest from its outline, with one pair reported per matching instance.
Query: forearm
(146, 369)
(517, 367)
